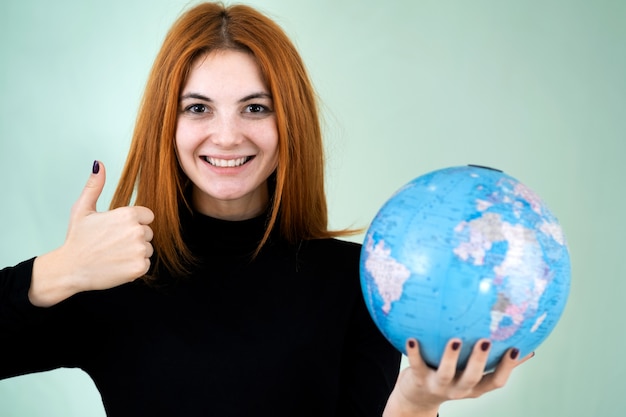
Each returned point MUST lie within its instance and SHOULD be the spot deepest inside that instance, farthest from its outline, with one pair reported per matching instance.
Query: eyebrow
(195, 96)
(252, 96)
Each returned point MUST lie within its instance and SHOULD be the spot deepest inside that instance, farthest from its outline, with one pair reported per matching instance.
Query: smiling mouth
(227, 163)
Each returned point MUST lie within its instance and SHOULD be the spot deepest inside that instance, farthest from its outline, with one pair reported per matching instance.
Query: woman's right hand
(101, 250)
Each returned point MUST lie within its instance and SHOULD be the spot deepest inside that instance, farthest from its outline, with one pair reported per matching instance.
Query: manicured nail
(484, 346)
(456, 345)
(514, 354)
(411, 344)
(96, 167)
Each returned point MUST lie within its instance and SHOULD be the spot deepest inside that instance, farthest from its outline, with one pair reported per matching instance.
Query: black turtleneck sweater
(285, 334)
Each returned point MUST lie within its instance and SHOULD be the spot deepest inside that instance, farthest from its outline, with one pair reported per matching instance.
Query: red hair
(152, 173)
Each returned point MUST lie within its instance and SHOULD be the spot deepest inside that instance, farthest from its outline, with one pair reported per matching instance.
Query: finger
(136, 214)
(475, 368)
(525, 358)
(505, 367)
(148, 233)
(499, 377)
(149, 250)
(449, 360)
(146, 268)
(144, 215)
(88, 199)
(415, 358)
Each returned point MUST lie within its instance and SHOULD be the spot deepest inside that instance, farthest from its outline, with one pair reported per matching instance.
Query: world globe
(465, 252)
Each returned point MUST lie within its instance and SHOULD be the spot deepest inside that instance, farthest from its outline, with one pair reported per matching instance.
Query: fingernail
(484, 346)
(96, 167)
(456, 345)
(411, 344)
(514, 354)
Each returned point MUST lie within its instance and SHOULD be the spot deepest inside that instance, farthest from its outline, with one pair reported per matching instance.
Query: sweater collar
(207, 235)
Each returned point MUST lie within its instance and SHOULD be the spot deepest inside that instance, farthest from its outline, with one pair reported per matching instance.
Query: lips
(227, 163)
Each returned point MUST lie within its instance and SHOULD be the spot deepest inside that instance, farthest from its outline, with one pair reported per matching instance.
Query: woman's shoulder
(337, 252)
(332, 245)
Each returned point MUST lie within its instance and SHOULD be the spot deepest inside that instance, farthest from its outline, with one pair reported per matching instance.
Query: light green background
(535, 88)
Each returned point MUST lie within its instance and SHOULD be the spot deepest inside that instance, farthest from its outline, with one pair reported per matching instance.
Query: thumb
(86, 203)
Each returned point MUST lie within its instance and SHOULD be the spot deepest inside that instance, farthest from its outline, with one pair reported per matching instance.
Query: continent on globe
(465, 252)
(522, 268)
(389, 275)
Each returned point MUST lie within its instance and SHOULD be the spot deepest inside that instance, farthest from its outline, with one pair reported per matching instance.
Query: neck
(244, 208)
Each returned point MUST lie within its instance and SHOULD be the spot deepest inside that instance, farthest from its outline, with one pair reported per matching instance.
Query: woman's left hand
(420, 389)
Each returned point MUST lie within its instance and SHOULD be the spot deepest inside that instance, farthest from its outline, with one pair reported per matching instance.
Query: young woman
(213, 286)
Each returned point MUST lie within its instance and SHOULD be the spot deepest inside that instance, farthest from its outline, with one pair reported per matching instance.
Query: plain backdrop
(534, 88)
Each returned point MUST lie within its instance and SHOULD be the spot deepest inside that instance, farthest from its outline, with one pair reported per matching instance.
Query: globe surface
(465, 252)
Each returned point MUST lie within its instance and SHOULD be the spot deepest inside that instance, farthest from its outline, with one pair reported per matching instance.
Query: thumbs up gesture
(101, 250)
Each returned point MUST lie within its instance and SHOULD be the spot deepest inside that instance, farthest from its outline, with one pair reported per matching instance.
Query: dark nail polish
(456, 345)
(96, 167)
(514, 354)
(484, 346)
(411, 344)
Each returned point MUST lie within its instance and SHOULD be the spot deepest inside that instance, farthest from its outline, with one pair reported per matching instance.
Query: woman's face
(226, 136)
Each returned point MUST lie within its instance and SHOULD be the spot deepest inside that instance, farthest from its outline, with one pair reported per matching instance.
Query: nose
(226, 132)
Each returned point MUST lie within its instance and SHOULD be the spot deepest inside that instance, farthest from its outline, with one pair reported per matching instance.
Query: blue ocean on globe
(466, 252)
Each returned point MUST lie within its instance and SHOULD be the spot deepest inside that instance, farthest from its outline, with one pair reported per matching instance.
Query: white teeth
(226, 163)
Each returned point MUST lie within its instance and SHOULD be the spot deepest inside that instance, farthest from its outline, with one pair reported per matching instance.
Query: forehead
(225, 70)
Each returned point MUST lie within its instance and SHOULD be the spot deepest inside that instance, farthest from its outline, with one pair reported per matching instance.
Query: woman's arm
(101, 250)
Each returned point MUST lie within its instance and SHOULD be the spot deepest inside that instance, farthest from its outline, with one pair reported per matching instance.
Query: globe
(467, 252)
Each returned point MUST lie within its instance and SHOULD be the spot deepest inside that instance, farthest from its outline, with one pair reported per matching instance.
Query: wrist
(51, 280)
(398, 406)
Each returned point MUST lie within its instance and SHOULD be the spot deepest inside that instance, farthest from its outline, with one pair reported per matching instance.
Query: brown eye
(196, 108)
(255, 108)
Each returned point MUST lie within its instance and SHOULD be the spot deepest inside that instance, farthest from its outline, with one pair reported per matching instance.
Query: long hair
(152, 174)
